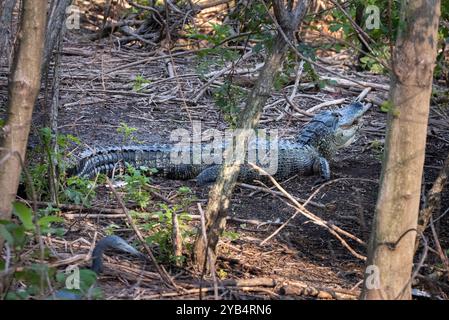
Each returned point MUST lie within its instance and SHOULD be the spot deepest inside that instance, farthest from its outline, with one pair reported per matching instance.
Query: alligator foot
(208, 176)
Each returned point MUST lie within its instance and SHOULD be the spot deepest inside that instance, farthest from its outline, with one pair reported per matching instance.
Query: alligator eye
(336, 114)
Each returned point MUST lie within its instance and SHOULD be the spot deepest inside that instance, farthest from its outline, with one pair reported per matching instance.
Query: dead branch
(334, 230)
(277, 193)
(433, 200)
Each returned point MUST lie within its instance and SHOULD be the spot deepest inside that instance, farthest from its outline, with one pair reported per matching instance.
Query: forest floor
(96, 96)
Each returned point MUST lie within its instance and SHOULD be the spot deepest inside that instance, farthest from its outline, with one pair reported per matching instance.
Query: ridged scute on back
(104, 159)
(321, 125)
(111, 159)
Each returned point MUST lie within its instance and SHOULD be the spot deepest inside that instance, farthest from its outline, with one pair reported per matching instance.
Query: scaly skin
(317, 142)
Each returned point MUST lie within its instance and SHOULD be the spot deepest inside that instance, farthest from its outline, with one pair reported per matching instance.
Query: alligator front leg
(321, 166)
(208, 175)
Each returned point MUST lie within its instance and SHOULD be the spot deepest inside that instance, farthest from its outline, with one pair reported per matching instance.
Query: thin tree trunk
(391, 250)
(53, 175)
(220, 194)
(6, 11)
(24, 84)
(55, 29)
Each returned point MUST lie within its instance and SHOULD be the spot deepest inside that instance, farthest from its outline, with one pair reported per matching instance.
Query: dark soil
(95, 100)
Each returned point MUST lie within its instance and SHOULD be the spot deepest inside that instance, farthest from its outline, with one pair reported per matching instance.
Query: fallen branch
(363, 94)
(277, 193)
(433, 200)
(209, 255)
(301, 289)
(326, 104)
(296, 108)
(334, 230)
(346, 82)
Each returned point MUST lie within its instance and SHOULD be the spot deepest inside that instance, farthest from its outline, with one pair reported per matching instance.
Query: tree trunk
(221, 192)
(55, 29)
(391, 249)
(7, 8)
(359, 11)
(54, 40)
(24, 84)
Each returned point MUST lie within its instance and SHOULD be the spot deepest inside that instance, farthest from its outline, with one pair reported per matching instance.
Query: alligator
(309, 154)
(315, 145)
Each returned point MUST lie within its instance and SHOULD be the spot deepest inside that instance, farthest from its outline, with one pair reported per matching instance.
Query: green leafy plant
(161, 230)
(137, 181)
(32, 283)
(128, 133)
(110, 229)
(228, 98)
(231, 235)
(222, 274)
(31, 280)
(139, 83)
(377, 147)
(379, 38)
(79, 191)
(87, 280)
(41, 172)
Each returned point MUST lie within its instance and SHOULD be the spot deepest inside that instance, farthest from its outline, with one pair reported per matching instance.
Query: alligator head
(329, 131)
(349, 122)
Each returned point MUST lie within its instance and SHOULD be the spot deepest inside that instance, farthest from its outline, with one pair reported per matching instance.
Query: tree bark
(7, 8)
(55, 29)
(391, 249)
(24, 84)
(221, 192)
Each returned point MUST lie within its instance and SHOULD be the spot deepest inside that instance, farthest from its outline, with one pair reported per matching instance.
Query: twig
(127, 30)
(208, 253)
(347, 82)
(296, 108)
(334, 230)
(298, 79)
(326, 104)
(433, 199)
(176, 239)
(301, 289)
(151, 59)
(362, 34)
(418, 267)
(77, 207)
(440, 251)
(216, 74)
(299, 54)
(277, 193)
(363, 94)
(279, 229)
